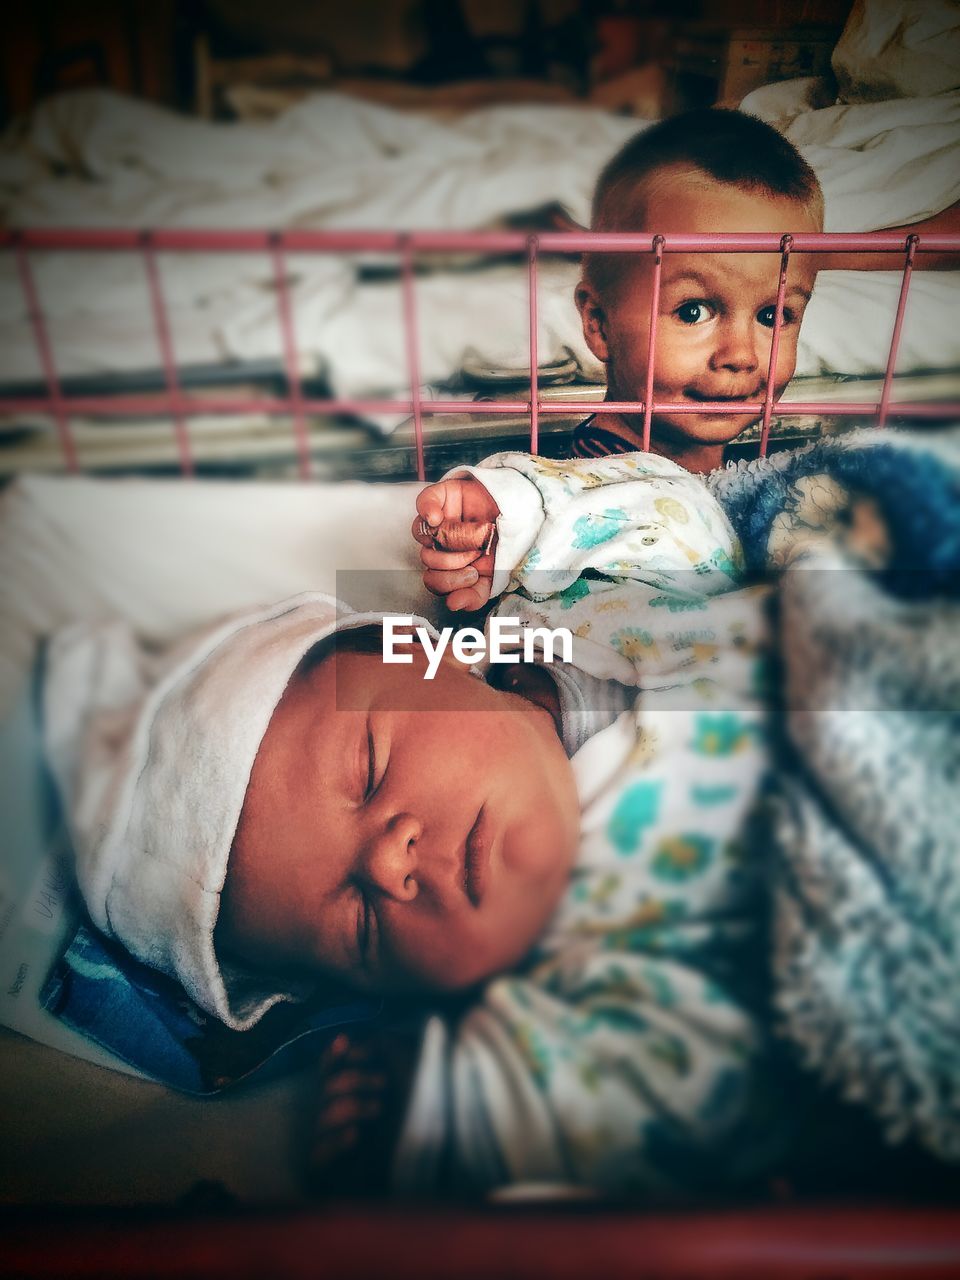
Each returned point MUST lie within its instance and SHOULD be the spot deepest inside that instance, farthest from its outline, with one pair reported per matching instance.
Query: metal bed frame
(177, 403)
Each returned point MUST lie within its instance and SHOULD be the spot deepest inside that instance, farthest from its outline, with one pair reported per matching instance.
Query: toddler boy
(704, 171)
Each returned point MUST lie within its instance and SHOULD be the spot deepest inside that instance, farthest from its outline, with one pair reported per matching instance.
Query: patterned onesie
(625, 1054)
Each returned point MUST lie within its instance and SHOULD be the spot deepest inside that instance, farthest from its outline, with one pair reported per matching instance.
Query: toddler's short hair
(728, 146)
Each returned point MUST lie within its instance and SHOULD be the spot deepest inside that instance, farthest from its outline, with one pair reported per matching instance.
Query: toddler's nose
(736, 348)
(392, 858)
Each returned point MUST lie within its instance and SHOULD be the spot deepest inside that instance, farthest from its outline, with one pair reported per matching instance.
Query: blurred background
(215, 57)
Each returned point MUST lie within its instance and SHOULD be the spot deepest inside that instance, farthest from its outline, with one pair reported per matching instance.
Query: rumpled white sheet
(97, 159)
(329, 161)
(898, 47)
(168, 557)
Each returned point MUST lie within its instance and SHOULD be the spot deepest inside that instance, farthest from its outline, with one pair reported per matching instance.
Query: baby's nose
(392, 857)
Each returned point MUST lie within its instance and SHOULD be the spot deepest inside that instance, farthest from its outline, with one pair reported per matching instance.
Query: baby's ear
(594, 319)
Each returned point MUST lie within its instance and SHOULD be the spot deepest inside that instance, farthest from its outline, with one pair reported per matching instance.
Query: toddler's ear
(594, 319)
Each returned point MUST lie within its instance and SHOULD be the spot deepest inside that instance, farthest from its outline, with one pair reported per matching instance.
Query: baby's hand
(345, 1156)
(365, 1082)
(456, 530)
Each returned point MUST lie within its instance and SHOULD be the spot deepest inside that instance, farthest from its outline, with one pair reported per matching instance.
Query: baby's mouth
(477, 857)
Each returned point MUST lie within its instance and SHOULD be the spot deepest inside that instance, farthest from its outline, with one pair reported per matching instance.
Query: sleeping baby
(559, 845)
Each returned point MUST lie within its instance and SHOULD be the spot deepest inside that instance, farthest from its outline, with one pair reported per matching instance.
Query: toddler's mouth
(754, 394)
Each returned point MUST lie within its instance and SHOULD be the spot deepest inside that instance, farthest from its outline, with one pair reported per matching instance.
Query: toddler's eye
(694, 312)
(767, 315)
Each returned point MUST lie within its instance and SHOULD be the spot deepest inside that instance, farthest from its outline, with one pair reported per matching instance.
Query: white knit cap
(154, 789)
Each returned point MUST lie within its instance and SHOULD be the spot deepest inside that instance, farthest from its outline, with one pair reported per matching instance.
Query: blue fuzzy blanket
(865, 831)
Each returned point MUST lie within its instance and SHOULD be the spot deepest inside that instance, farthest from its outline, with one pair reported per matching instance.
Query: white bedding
(99, 159)
(168, 556)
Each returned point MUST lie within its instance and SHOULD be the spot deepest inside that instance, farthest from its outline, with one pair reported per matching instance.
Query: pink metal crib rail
(175, 403)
